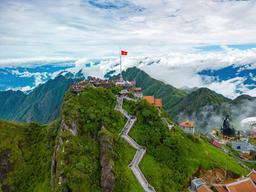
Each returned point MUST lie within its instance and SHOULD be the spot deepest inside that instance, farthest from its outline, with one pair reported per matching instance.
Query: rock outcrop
(56, 177)
(106, 154)
(72, 128)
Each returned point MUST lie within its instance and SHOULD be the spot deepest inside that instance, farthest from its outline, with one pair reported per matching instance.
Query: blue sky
(214, 48)
(176, 37)
(98, 28)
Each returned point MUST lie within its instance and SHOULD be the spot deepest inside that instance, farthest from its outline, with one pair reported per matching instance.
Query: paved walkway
(141, 151)
(167, 123)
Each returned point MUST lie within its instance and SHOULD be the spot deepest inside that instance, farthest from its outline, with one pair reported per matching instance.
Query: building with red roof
(156, 102)
(137, 92)
(252, 175)
(187, 127)
(220, 188)
(149, 99)
(215, 143)
(204, 188)
(244, 185)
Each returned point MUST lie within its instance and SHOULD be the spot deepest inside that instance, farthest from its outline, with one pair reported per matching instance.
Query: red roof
(153, 101)
(187, 124)
(136, 89)
(215, 143)
(220, 188)
(252, 175)
(245, 185)
(149, 99)
(158, 102)
(204, 188)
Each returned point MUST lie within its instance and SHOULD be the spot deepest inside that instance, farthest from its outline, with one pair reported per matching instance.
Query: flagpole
(121, 77)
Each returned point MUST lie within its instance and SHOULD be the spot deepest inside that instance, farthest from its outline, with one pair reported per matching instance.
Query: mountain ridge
(43, 103)
(85, 143)
(151, 86)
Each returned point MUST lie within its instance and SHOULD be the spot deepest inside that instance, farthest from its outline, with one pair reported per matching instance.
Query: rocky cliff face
(56, 175)
(72, 127)
(106, 154)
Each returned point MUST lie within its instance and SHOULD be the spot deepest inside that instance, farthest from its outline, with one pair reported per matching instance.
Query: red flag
(124, 52)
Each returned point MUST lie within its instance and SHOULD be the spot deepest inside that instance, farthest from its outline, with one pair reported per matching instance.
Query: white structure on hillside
(242, 145)
(197, 185)
(187, 127)
(249, 125)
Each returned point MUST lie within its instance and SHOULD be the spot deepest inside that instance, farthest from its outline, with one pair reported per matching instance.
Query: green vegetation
(26, 151)
(42, 105)
(125, 179)
(173, 157)
(204, 106)
(90, 111)
(150, 86)
(171, 160)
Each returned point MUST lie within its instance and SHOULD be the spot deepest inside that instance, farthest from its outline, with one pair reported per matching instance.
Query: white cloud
(179, 69)
(228, 88)
(78, 28)
(33, 61)
(23, 89)
(39, 78)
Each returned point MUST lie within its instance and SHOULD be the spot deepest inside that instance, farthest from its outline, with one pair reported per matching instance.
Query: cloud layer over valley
(185, 43)
(230, 72)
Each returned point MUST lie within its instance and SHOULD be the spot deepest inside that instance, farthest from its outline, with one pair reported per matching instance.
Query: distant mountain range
(150, 86)
(246, 73)
(26, 78)
(238, 77)
(204, 106)
(41, 105)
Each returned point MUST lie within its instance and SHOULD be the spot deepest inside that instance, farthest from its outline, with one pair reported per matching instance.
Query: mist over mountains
(204, 106)
(193, 86)
(229, 73)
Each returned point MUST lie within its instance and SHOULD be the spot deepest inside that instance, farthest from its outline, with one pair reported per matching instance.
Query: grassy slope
(90, 110)
(30, 147)
(170, 161)
(173, 157)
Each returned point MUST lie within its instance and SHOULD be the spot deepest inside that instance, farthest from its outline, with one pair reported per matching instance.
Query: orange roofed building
(156, 102)
(252, 175)
(204, 188)
(245, 185)
(187, 127)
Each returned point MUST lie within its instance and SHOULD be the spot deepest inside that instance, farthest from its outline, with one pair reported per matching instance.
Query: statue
(227, 128)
